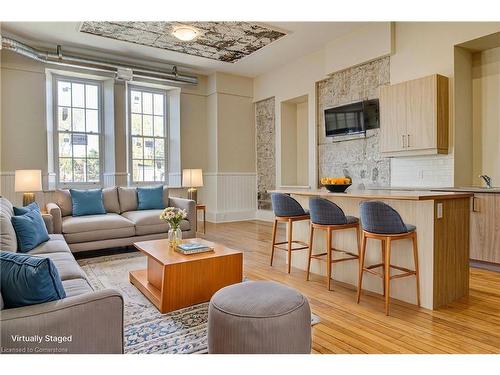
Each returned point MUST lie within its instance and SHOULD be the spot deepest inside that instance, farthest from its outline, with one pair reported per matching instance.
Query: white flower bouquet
(173, 216)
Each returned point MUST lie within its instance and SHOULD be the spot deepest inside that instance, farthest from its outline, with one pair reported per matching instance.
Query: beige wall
(486, 114)
(288, 144)
(194, 131)
(230, 114)
(302, 145)
(235, 133)
(23, 115)
(463, 116)
(294, 142)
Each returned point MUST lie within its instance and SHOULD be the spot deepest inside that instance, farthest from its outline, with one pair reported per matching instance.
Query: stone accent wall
(266, 154)
(354, 156)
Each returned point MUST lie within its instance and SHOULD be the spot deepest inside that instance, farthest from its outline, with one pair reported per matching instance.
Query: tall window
(78, 130)
(148, 133)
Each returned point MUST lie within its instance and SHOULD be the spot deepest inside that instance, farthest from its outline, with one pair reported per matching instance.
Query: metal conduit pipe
(91, 64)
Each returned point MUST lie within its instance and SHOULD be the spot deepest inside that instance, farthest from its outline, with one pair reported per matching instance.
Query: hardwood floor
(470, 325)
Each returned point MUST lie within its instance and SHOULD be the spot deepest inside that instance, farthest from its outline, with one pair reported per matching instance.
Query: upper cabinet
(414, 117)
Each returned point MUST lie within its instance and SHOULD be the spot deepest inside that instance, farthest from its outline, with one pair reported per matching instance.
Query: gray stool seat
(326, 212)
(380, 218)
(410, 227)
(259, 317)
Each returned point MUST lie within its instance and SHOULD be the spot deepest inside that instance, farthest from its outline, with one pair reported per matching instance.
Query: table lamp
(192, 178)
(27, 181)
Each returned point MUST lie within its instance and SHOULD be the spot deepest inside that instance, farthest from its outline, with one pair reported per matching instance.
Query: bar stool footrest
(302, 247)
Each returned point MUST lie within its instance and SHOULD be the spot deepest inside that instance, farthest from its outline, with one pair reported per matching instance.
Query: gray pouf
(259, 317)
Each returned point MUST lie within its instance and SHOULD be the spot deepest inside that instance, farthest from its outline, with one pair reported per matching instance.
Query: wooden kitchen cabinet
(414, 117)
(392, 117)
(485, 228)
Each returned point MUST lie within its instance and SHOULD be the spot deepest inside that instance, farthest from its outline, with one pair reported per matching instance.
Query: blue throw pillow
(28, 280)
(30, 229)
(87, 202)
(24, 210)
(150, 198)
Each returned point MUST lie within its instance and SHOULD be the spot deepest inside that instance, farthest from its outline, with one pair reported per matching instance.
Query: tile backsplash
(422, 171)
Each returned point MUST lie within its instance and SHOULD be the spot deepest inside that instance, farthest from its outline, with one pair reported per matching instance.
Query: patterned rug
(146, 330)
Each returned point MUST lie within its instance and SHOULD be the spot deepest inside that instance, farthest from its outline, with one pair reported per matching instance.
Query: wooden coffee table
(173, 281)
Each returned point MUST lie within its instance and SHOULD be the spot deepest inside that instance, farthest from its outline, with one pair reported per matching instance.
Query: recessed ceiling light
(185, 33)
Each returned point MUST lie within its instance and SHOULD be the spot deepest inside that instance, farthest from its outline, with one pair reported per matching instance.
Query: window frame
(166, 132)
(100, 126)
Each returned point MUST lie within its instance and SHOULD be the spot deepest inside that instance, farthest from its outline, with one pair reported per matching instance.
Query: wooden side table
(202, 207)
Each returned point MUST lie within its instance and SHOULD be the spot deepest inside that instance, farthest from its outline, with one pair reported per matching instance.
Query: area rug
(146, 330)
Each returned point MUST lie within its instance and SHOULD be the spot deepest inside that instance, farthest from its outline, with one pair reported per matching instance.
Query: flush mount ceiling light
(185, 33)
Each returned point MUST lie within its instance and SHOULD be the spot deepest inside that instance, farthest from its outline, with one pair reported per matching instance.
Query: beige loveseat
(90, 321)
(122, 225)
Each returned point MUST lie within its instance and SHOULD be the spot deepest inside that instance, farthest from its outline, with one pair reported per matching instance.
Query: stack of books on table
(193, 248)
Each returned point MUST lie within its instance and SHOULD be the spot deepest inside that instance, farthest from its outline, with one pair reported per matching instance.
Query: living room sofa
(86, 321)
(122, 225)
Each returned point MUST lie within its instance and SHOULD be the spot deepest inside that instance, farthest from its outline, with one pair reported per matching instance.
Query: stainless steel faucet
(486, 179)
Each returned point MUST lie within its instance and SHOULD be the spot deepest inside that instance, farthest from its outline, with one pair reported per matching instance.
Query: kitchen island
(442, 221)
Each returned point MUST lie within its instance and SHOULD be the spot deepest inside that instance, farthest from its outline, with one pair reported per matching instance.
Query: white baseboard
(229, 216)
(264, 215)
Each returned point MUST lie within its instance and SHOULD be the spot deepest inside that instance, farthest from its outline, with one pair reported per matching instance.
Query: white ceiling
(302, 38)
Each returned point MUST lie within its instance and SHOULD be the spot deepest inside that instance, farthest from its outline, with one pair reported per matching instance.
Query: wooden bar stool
(286, 209)
(327, 216)
(381, 222)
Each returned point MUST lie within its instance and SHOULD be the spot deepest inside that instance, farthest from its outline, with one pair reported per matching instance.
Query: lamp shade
(28, 180)
(192, 177)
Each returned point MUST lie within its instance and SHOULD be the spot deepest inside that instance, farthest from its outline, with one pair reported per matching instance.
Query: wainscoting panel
(229, 196)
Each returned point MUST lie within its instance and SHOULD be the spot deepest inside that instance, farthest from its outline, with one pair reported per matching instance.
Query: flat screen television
(352, 118)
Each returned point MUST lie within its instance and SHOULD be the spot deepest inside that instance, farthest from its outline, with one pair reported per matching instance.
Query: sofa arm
(49, 223)
(87, 323)
(54, 210)
(190, 206)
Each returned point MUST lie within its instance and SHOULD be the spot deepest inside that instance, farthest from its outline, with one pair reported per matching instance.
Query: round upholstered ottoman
(259, 317)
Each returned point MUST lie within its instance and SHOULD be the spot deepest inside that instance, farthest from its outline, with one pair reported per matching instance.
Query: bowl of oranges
(336, 184)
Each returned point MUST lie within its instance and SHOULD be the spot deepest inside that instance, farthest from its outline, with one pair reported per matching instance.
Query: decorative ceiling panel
(224, 41)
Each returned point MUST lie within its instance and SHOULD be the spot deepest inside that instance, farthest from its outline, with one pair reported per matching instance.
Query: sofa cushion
(56, 244)
(29, 280)
(26, 209)
(90, 223)
(8, 239)
(148, 222)
(63, 200)
(128, 198)
(66, 265)
(99, 235)
(109, 199)
(150, 198)
(30, 229)
(87, 202)
(75, 287)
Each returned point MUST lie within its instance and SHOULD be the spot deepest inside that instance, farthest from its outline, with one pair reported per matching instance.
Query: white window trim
(166, 131)
(55, 98)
